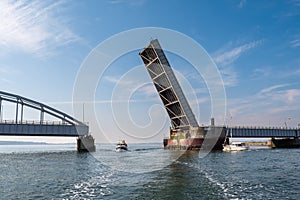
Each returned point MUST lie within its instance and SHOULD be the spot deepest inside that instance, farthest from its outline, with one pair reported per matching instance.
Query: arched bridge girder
(22, 101)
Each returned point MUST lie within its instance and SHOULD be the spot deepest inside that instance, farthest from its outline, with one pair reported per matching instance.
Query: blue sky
(255, 45)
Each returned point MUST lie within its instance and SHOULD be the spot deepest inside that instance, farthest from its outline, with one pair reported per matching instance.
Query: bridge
(64, 126)
(185, 131)
(282, 137)
(262, 132)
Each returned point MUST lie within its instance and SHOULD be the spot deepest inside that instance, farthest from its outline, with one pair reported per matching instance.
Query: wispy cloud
(112, 79)
(34, 26)
(272, 88)
(132, 85)
(295, 43)
(260, 73)
(261, 107)
(148, 90)
(129, 2)
(242, 3)
(225, 57)
(229, 75)
(295, 2)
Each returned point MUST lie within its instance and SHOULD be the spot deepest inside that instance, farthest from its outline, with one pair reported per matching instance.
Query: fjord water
(59, 172)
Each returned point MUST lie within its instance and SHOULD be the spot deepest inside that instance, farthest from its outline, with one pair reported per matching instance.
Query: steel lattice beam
(167, 86)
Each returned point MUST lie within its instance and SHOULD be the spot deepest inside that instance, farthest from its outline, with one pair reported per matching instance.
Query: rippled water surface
(146, 172)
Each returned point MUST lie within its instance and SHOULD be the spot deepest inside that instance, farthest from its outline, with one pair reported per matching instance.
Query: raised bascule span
(168, 87)
(185, 132)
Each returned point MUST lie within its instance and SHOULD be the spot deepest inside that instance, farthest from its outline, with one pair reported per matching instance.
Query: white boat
(121, 146)
(235, 146)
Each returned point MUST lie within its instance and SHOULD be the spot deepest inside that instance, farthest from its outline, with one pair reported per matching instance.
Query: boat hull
(121, 150)
(229, 148)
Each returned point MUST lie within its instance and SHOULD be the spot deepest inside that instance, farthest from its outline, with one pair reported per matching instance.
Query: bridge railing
(263, 127)
(35, 122)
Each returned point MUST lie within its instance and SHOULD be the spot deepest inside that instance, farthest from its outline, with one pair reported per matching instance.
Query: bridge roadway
(262, 132)
(10, 128)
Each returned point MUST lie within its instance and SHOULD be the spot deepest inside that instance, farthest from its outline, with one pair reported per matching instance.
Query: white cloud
(200, 100)
(112, 79)
(144, 90)
(262, 73)
(272, 88)
(118, 80)
(284, 108)
(295, 2)
(292, 94)
(276, 93)
(229, 56)
(226, 56)
(229, 76)
(148, 90)
(295, 43)
(261, 107)
(129, 2)
(34, 26)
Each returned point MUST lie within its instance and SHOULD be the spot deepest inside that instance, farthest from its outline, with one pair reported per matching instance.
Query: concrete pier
(86, 144)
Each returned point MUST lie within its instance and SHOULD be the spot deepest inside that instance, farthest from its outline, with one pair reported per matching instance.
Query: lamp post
(1, 113)
(285, 122)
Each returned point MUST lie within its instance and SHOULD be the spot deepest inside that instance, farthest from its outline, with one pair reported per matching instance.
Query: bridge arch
(22, 102)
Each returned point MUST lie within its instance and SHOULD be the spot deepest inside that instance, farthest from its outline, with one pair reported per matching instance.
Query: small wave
(95, 187)
(146, 149)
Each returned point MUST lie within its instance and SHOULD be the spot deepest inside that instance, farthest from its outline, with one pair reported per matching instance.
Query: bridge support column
(86, 144)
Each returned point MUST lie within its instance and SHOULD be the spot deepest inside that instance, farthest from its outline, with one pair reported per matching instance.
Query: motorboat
(121, 146)
(235, 146)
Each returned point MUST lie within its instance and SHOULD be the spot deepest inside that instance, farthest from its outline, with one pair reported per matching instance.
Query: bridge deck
(265, 132)
(37, 129)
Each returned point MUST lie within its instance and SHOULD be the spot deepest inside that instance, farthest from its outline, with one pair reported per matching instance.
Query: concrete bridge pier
(86, 144)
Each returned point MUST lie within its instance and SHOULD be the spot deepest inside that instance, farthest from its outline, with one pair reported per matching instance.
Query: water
(59, 172)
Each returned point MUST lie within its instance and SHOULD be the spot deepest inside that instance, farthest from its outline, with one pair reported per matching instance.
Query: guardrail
(35, 122)
(263, 127)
